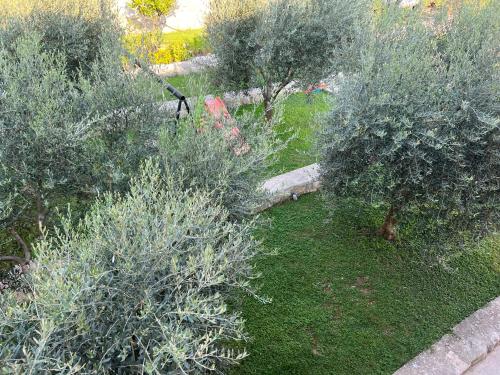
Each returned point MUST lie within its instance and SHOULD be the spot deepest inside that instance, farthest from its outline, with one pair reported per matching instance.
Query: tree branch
(283, 84)
(13, 258)
(20, 241)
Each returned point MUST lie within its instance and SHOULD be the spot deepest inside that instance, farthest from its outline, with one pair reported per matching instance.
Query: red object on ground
(218, 110)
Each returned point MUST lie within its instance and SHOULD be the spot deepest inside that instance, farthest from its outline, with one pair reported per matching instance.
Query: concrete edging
(281, 188)
(194, 65)
(469, 343)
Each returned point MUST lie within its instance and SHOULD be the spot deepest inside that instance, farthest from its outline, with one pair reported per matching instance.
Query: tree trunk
(268, 105)
(24, 247)
(269, 112)
(387, 230)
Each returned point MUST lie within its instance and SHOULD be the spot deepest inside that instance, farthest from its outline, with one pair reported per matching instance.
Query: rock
(469, 343)
(281, 188)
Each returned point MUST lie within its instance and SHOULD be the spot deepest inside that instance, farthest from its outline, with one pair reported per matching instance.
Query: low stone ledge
(470, 342)
(300, 181)
(194, 65)
(232, 99)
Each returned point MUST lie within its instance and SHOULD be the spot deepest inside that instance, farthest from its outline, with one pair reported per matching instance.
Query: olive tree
(417, 128)
(140, 286)
(66, 136)
(42, 153)
(74, 29)
(270, 44)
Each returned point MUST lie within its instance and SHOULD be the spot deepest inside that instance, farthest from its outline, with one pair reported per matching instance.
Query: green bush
(167, 48)
(417, 128)
(66, 138)
(91, 134)
(76, 29)
(128, 120)
(271, 44)
(206, 157)
(139, 286)
(42, 153)
(152, 8)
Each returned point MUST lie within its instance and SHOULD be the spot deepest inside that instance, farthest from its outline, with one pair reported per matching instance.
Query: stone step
(470, 342)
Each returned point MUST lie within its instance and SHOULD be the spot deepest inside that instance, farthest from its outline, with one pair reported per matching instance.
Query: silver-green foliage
(272, 43)
(417, 128)
(129, 119)
(208, 158)
(139, 286)
(65, 137)
(74, 29)
(42, 150)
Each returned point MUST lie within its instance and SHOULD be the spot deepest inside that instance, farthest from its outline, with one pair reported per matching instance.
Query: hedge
(168, 47)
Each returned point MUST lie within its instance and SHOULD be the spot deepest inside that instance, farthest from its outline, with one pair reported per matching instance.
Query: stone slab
(194, 65)
(490, 366)
(300, 181)
(471, 343)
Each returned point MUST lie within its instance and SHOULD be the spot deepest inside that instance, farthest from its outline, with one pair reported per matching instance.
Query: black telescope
(172, 90)
(182, 99)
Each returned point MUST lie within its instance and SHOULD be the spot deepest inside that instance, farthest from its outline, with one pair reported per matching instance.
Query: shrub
(417, 128)
(152, 8)
(42, 154)
(139, 287)
(75, 29)
(66, 138)
(271, 44)
(129, 120)
(167, 48)
(205, 156)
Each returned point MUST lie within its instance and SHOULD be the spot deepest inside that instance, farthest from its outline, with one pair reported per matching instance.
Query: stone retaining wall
(469, 343)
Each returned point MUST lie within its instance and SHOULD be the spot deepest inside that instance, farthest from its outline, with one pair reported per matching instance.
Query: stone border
(194, 65)
(469, 343)
(232, 99)
(290, 185)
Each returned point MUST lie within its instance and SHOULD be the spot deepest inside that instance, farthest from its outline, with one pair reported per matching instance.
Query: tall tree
(417, 128)
(269, 44)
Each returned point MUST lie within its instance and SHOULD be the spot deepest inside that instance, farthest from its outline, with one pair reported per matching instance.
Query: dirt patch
(315, 350)
(363, 285)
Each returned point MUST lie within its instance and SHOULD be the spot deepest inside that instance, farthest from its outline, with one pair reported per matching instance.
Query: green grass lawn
(194, 84)
(300, 118)
(348, 302)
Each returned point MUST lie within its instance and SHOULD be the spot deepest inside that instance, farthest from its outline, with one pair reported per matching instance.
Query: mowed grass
(348, 302)
(301, 118)
(194, 84)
